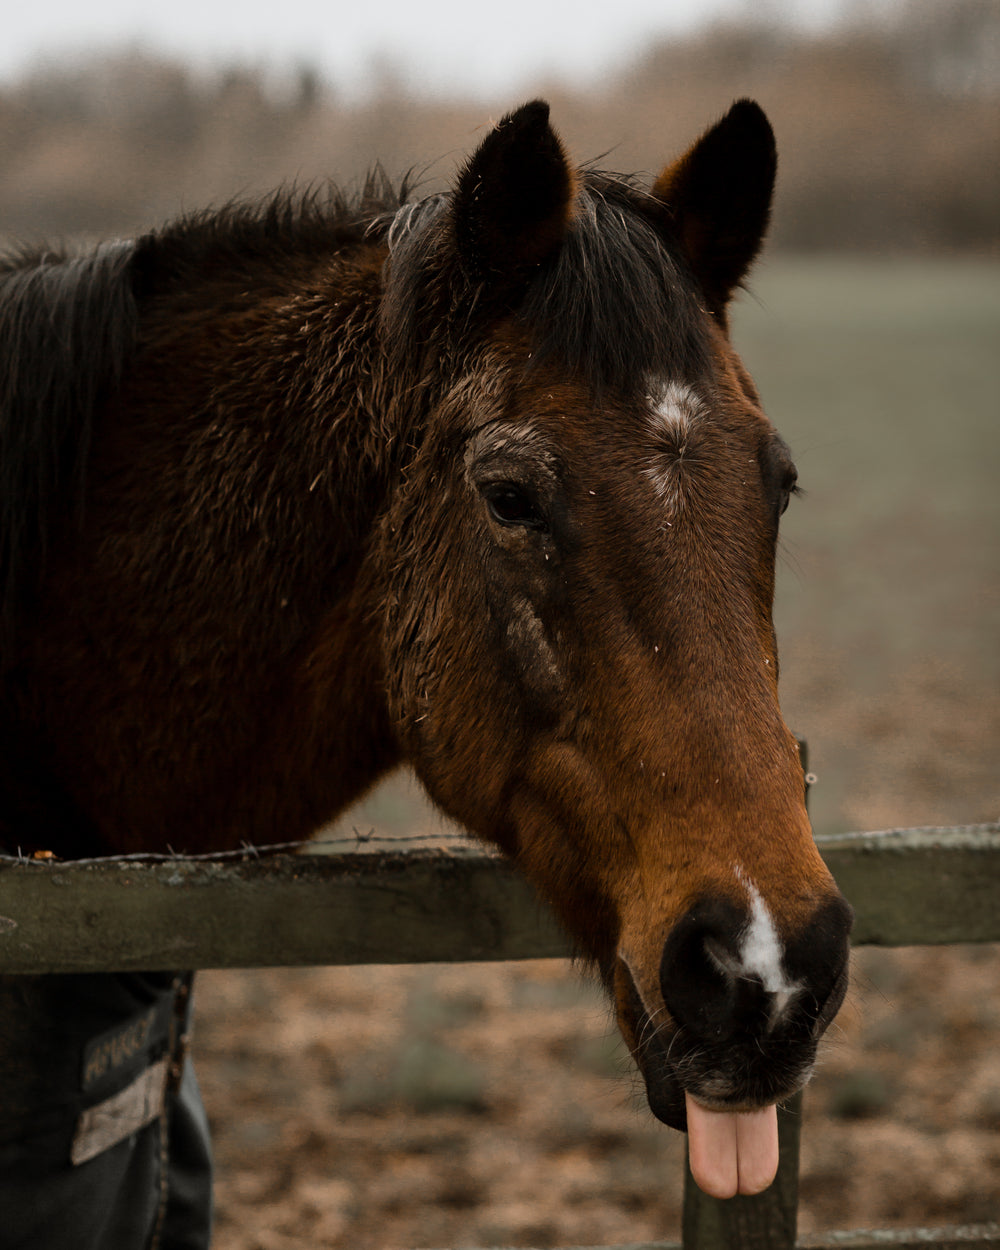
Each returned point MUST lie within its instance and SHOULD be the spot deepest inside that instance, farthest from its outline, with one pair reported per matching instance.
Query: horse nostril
(725, 970)
(699, 970)
(819, 958)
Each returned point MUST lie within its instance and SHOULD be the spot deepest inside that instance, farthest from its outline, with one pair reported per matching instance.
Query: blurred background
(484, 1106)
(872, 324)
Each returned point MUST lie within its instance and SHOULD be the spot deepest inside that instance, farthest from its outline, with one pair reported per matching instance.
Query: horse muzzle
(727, 1020)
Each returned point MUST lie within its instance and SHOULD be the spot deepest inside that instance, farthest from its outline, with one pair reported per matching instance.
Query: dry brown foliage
(889, 135)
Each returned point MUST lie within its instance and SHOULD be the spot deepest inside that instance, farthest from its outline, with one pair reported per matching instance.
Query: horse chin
(666, 1101)
(704, 1078)
(651, 1050)
(664, 1091)
(663, 1054)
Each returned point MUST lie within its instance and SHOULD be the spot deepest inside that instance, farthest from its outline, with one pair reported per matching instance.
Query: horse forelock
(614, 303)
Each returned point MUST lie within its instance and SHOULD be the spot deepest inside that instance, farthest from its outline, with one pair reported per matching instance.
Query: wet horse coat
(297, 493)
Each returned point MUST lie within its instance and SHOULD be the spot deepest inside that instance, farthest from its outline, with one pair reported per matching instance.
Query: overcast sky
(458, 43)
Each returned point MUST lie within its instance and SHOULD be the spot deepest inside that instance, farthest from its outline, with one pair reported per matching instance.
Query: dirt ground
(480, 1105)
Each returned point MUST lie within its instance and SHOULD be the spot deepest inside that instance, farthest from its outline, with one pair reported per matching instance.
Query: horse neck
(241, 479)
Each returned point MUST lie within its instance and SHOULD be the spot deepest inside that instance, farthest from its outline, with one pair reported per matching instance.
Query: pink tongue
(732, 1152)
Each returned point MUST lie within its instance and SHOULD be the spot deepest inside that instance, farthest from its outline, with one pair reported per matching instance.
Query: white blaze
(761, 953)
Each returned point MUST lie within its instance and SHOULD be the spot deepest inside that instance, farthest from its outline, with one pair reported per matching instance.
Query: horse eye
(510, 504)
(789, 487)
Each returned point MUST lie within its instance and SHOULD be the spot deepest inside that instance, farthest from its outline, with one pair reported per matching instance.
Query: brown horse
(293, 494)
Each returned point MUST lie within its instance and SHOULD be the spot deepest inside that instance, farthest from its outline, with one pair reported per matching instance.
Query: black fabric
(67, 1044)
(187, 1223)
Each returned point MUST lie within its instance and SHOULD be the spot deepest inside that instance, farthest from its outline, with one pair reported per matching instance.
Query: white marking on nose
(761, 952)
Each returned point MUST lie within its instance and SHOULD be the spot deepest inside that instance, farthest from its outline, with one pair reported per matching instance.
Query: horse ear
(719, 196)
(513, 200)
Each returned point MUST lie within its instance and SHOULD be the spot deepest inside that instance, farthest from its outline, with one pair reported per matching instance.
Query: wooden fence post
(766, 1221)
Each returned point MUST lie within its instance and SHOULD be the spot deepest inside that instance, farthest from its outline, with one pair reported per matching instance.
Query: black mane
(265, 236)
(67, 325)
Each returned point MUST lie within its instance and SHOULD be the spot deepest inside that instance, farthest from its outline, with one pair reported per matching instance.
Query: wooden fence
(386, 902)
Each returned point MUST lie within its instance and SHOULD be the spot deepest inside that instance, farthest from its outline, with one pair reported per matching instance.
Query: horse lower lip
(667, 1101)
(667, 1098)
(671, 1110)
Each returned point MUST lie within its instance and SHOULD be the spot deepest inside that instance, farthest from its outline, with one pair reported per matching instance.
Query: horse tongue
(732, 1152)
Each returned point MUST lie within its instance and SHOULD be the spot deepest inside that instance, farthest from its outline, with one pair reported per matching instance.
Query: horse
(296, 492)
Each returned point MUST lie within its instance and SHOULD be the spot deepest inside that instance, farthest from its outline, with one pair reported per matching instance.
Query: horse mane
(67, 324)
(264, 235)
(615, 303)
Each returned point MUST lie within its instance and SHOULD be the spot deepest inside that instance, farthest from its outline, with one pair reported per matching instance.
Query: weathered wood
(983, 1236)
(416, 906)
(914, 887)
(954, 1238)
(764, 1222)
(921, 886)
(421, 905)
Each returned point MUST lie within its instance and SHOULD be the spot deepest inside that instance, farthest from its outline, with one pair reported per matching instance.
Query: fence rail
(376, 903)
(379, 902)
(954, 1237)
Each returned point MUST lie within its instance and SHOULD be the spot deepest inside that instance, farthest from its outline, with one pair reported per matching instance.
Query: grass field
(884, 378)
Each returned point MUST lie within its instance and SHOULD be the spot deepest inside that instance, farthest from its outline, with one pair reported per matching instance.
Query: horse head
(579, 571)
